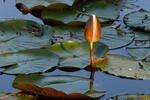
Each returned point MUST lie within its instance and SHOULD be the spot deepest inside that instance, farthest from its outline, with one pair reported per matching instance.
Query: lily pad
(137, 96)
(103, 8)
(30, 5)
(123, 66)
(142, 38)
(139, 53)
(74, 17)
(115, 38)
(65, 33)
(16, 35)
(69, 17)
(16, 97)
(75, 54)
(56, 86)
(28, 61)
(139, 20)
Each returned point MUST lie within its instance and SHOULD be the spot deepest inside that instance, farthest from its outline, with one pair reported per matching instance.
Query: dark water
(113, 85)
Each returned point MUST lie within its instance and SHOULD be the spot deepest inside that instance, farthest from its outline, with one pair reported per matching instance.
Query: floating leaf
(31, 5)
(56, 86)
(69, 17)
(102, 8)
(142, 38)
(16, 97)
(75, 54)
(139, 20)
(137, 96)
(125, 67)
(65, 33)
(28, 61)
(139, 53)
(116, 38)
(112, 37)
(73, 17)
(16, 35)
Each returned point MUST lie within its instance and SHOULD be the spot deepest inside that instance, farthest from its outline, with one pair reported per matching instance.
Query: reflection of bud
(92, 31)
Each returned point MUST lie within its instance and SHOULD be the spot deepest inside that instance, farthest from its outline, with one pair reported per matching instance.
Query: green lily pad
(137, 96)
(30, 5)
(71, 17)
(139, 53)
(63, 86)
(112, 37)
(139, 35)
(139, 20)
(65, 33)
(102, 8)
(16, 35)
(28, 61)
(116, 38)
(14, 97)
(75, 54)
(123, 66)
(142, 38)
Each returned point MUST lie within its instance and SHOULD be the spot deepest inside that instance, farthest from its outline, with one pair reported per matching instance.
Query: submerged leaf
(125, 67)
(139, 53)
(28, 61)
(16, 35)
(56, 86)
(137, 96)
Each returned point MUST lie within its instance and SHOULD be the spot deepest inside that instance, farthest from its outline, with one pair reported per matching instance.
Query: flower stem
(92, 56)
(93, 67)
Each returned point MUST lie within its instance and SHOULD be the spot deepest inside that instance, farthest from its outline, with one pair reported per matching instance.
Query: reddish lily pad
(57, 86)
(15, 97)
(32, 5)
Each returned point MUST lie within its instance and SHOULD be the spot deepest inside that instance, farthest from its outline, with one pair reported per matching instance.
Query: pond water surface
(112, 84)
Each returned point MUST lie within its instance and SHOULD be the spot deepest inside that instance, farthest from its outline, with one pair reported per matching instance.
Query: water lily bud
(92, 31)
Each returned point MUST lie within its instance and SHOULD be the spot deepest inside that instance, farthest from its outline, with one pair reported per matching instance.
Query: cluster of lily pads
(28, 48)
